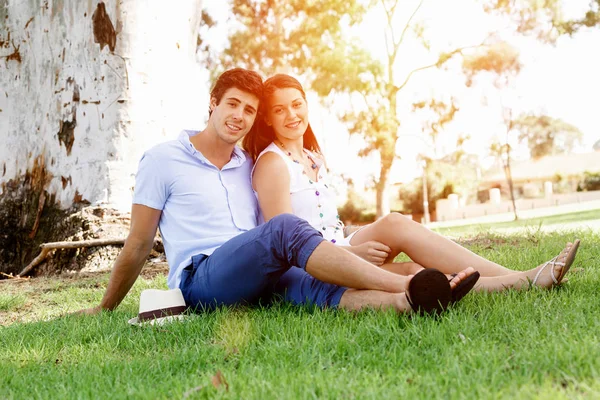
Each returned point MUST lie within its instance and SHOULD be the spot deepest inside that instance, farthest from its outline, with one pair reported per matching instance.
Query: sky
(562, 81)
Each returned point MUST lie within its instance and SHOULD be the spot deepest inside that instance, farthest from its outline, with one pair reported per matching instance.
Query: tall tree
(439, 114)
(503, 150)
(501, 61)
(310, 39)
(546, 135)
(292, 36)
(545, 19)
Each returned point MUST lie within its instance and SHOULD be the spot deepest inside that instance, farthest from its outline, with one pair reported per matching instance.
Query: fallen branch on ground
(48, 247)
(11, 276)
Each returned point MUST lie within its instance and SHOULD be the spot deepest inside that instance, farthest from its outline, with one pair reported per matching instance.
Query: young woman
(290, 176)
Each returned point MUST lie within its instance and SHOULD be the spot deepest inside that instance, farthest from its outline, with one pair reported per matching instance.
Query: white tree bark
(83, 101)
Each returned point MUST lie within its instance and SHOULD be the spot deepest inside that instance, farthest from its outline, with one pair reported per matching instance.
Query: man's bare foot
(428, 292)
(455, 279)
(461, 276)
(462, 283)
(552, 272)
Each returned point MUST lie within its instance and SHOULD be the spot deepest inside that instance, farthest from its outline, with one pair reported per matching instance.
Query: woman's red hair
(261, 135)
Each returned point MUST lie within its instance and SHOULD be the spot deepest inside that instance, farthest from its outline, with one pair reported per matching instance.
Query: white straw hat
(160, 306)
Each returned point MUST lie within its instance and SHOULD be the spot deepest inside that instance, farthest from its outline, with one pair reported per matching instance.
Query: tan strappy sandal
(564, 264)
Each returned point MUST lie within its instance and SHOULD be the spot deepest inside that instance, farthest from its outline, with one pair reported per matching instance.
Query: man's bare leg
(332, 264)
(354, 300)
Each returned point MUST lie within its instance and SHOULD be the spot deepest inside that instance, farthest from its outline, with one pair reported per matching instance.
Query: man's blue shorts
(257, 266)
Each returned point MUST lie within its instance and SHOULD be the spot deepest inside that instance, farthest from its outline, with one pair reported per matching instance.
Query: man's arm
(131, 259)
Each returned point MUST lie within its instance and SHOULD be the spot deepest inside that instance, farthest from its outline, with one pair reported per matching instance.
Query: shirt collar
(238, 157)
(239, 154)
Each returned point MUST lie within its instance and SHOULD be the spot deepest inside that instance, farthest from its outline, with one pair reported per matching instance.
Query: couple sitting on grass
(225, 248)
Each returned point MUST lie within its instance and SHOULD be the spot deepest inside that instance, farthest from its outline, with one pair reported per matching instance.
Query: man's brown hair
(239, 78)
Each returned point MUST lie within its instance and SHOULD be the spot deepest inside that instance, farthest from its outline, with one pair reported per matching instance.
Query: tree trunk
(382, 194)
(88, 87)
(426, 216)
(509, 179)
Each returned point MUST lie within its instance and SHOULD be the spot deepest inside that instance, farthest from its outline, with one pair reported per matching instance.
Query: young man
(197, 190)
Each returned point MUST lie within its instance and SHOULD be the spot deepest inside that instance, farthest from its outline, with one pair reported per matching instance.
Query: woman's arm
(271, 180)
(374, 252)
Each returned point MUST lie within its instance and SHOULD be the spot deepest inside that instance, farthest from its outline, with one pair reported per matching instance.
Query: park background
(86, 87)
(439, 110)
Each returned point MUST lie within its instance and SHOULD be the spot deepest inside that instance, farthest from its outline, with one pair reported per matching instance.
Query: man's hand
(374, 252)
(88, 311)
(131, 259)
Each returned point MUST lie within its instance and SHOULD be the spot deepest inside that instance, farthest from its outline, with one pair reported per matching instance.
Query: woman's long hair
(261, 134)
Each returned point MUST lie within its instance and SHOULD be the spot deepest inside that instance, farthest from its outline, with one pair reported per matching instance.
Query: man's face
(233, 117)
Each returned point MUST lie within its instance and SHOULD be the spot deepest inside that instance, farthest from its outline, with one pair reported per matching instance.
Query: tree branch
(48, 247)
(438, 63)
(408, 24)
(11, 276)
(389, 15)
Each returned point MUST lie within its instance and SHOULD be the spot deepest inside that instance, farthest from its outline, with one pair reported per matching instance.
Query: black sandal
(464, 286)
(429, 292)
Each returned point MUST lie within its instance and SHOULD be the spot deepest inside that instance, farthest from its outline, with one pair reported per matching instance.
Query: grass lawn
(575, 220)
(532, 344)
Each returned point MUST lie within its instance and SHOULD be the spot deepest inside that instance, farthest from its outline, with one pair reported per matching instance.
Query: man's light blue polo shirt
(202, 206)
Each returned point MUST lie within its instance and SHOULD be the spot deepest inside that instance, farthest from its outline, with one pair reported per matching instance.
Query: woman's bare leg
(524, 279)
(425, 247)
(403, 268)
(516, 280)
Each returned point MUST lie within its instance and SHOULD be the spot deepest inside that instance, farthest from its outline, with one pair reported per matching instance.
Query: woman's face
(287, 113)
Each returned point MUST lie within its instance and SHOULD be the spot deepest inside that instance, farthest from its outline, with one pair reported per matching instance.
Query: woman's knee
(395, 219)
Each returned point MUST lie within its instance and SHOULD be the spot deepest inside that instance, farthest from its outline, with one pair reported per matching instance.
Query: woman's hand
(374, 252)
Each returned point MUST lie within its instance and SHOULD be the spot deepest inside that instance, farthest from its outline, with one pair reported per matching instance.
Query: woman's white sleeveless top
(313, 201)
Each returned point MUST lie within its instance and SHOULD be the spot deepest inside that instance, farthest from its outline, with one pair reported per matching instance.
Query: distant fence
(450, 209)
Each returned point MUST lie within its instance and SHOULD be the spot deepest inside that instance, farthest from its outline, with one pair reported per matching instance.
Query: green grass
(530, 224)
(532, 344)
(10, 302)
